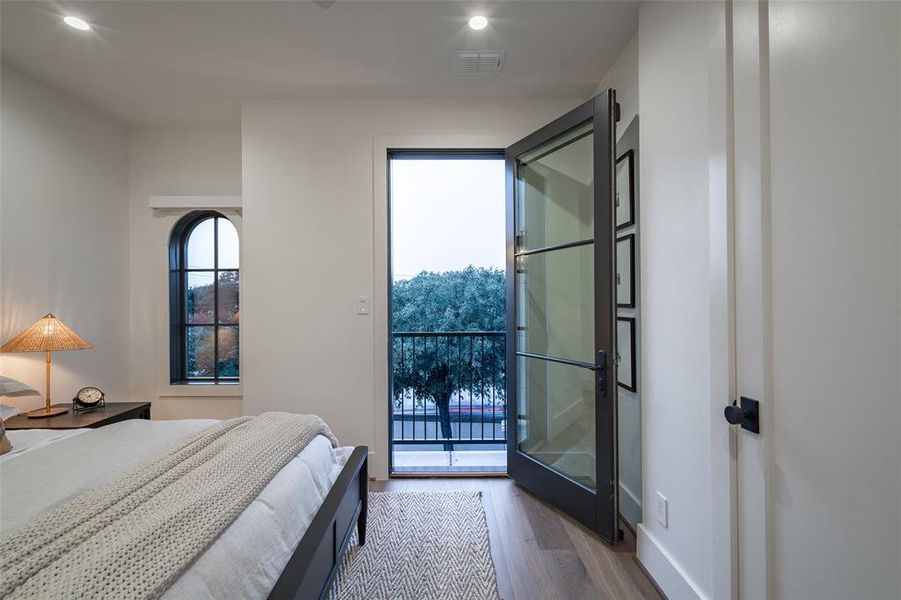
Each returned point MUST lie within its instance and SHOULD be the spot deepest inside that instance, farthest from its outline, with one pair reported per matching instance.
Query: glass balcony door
(561, 312)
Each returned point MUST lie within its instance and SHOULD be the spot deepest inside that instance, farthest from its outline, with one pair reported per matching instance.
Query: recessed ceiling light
(478, 22)
(76, 23)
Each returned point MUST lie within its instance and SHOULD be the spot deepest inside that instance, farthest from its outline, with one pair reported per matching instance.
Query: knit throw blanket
(133, 537)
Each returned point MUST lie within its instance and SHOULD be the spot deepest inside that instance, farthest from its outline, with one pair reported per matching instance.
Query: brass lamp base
(50, 411)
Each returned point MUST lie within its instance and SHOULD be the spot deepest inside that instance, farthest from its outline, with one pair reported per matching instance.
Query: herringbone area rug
(420, 546)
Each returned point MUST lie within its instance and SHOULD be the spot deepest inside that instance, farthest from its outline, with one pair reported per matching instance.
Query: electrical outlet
(662, 510)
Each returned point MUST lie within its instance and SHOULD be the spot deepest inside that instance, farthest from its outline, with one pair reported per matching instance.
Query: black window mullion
(216, 299)
(183, 278)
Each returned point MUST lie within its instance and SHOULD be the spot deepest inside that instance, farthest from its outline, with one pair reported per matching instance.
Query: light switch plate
(662, 510)
(363, 305)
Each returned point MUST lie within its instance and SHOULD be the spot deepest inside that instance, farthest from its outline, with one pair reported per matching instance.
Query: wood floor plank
(571, 578)
(530, 576)
(504, 586)
(605, 569)
(549, 531)
(540, 553)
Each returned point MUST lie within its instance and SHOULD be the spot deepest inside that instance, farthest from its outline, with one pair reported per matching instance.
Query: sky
(446, 215)
(201, 247)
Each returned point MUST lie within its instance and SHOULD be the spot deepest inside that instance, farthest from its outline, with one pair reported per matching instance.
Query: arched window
(203, 300)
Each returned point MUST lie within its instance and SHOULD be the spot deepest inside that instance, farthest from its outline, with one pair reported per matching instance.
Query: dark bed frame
(312, 568)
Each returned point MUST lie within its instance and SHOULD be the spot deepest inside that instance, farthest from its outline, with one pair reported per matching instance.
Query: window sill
(202, 390)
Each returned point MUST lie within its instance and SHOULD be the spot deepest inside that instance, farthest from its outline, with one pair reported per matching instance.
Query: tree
(201, 346)
(437, 367)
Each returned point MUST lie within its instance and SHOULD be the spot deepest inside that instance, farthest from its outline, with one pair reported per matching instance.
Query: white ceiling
(194, 61)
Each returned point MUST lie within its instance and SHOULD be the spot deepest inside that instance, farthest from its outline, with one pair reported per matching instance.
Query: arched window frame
(178, 279)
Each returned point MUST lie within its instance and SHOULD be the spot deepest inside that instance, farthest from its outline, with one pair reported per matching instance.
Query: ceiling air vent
(478, 62)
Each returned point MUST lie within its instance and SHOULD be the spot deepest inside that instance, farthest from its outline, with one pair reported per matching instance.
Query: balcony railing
(449, 388)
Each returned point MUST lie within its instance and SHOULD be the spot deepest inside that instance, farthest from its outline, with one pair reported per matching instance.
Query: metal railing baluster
(466, 374)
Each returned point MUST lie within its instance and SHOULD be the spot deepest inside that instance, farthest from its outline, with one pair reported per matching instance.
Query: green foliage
(467, 300)
(434, 368)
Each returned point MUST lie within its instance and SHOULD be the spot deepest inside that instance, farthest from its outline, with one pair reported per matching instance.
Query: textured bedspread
(132, 537)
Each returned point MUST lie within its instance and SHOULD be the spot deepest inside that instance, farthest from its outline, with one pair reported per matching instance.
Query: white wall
(95, 254)
(63, 236)
(829, 134)
(623, 77)
(309, 246)
(673, 78)
(172, 161)
(835, 151)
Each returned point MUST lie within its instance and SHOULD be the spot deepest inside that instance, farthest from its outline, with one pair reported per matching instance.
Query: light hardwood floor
(540, 553)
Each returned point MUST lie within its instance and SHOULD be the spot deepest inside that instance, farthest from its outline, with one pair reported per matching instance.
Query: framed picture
(625, 271)
(625, 353)
(625, 191)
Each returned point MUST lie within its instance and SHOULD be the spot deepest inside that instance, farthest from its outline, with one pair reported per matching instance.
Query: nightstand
(111, 412)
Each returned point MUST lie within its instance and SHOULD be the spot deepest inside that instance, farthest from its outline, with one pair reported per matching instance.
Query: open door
(561, 311)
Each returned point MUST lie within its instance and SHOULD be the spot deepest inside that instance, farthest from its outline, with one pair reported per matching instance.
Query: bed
(287, 543)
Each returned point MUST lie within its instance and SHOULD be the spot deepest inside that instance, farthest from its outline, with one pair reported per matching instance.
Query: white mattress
(47, 467)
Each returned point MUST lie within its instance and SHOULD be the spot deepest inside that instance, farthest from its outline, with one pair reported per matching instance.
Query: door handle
(601, 371)
(746, 414)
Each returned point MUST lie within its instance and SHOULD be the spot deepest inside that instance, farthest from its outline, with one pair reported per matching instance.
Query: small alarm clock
(88, 398)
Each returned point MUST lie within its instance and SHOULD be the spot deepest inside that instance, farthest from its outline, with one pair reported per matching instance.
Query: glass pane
(555, 303)
(228, 245)
(228, 297)
(555, 191)
(228, 352)
(556, 420)
(200, 253)
(201, 351)
(200, 297)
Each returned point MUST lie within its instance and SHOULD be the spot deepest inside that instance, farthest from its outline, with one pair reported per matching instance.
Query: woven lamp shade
(49, 334)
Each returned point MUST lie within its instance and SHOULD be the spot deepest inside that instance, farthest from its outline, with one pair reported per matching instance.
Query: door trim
(415, 154)
(721, 261)
(378, 452)
(753, 297)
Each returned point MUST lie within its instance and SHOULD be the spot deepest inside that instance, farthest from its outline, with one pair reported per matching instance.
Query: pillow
(7, 411)
(5, 444)
(11, 387)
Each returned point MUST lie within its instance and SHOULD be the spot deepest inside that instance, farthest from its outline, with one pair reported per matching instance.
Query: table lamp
(48, 335)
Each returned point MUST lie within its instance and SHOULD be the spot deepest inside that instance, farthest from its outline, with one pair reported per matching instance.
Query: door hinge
(616, 112)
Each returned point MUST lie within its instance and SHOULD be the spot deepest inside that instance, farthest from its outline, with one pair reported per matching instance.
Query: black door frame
(414, 154)
(594, 509)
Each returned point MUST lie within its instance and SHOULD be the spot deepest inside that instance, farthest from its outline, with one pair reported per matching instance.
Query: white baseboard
(629, 505)
(667, 573)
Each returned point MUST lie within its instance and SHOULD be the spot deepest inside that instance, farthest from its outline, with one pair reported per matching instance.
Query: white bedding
(50, 467)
